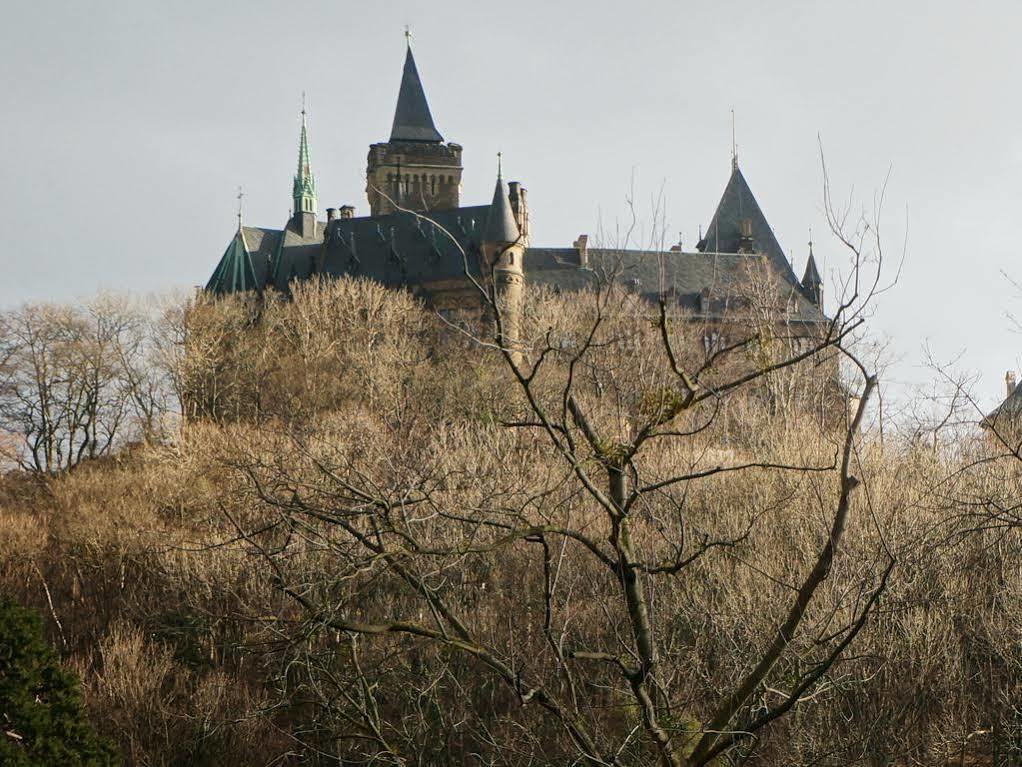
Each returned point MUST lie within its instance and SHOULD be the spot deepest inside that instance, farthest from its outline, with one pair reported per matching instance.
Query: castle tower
(503, 250)
(303, 219)
(415, 170)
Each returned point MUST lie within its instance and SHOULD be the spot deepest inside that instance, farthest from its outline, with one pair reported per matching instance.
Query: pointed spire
(811, 278)
(812, 285)
(500, 223)
(412, 119)
(304, 189)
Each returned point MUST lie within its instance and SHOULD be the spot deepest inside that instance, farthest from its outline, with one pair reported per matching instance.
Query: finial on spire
(408, 35)
(810, 241)
(241, 196)
(500, 170)
(412, 119)
(734, 144)
(303, 106)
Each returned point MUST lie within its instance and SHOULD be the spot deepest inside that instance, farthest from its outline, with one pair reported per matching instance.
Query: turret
(304, 190)
(503, 248)
(415, 169)
(812, 285)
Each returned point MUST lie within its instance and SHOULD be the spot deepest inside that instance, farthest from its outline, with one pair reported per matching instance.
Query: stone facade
(413, 175)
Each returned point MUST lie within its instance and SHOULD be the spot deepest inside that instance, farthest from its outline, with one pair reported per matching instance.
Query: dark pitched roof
(405, 249)
(412, 120)
(236, 271)
(704, 283)
(811, 278)
(500, 222)
(1008, 413)
(292, 257)
(724, 232)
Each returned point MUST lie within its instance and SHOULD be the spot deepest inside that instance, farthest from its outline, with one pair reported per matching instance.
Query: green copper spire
(235, 273)
(304, 193)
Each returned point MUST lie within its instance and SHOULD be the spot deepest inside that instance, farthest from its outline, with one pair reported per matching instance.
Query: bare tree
(586, 465)
(76, 382)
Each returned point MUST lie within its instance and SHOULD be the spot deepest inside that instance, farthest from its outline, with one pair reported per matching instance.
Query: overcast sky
(128, 126)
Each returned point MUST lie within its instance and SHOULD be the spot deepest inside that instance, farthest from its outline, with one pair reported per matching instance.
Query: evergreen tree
(42, 717)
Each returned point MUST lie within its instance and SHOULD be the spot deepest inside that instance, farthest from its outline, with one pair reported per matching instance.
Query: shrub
(43, 719)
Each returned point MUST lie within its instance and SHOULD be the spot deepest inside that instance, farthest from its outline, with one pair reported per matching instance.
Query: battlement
(419, 176)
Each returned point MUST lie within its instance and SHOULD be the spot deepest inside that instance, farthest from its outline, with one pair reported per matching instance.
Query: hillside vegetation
(340, 530)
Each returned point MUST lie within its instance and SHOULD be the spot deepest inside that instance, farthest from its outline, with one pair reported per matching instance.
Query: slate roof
(724, 232)
(280, 255)
(682, 276)
(412, 119)
(1009, 411)
(500, 221)
(405, 249)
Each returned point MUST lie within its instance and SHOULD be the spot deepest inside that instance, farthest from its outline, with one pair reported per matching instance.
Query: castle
(419, 237)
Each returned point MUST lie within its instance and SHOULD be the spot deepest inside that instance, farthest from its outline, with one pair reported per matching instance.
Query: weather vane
(241, 196)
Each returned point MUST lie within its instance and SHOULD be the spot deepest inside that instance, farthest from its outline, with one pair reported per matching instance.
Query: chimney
(581, 245)
(347, 211)
(331, 214)
(519, 207)
(1010, 382)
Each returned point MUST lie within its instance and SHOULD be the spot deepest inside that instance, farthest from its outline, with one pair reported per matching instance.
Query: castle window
(511, 259)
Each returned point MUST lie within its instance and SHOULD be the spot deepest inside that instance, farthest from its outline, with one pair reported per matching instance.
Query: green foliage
(42, 718)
